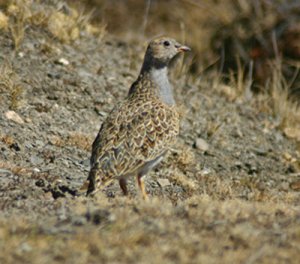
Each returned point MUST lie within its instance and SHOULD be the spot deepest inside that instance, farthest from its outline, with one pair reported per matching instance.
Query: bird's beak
(182, 48)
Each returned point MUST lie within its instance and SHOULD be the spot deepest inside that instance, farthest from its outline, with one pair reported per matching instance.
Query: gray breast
(160, 78)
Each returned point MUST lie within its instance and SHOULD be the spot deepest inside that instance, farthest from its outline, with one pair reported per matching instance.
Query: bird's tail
(83, 189)
(91, 181)
(89, 186)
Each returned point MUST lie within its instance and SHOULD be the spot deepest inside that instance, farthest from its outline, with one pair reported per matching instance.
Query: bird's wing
(135, 132)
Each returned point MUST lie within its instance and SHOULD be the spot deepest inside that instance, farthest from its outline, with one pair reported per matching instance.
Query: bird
(139, 131)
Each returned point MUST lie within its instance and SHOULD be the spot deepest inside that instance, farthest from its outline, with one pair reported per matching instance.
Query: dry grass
(278, 102)
(63, 27)
(18, 12)
(80, 141)
(67, 27)
(275, 100)
(284, 109)
(3, 21)
(199, 230)
(10, 83)
(63, 22)
(16, 170)
(7, 139)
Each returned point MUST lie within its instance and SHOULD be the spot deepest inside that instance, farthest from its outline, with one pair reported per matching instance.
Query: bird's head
(161, 50)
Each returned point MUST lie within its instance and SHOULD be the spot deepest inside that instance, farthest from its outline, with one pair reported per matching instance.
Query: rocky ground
(227, 193)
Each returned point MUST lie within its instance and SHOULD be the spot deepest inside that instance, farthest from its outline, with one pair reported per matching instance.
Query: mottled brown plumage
(138, 132)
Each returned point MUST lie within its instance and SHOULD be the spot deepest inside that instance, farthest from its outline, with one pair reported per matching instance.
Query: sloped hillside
(227, 193)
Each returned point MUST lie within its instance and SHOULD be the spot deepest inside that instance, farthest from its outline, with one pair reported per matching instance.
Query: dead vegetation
(63, 22)
(200, 229)
(275, 99)
(80, 141)
(284, 109)
(11, 84)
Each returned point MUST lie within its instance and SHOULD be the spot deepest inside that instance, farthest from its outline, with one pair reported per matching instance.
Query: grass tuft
(3, 21)
(10, 83)
(286, 111)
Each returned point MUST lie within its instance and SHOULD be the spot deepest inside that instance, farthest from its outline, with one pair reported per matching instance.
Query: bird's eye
(166, 43)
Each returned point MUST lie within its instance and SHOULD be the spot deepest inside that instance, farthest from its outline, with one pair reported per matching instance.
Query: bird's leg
(140, 180)
(123, 185)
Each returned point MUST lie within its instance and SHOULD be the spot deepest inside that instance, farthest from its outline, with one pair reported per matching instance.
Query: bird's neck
(159, 77)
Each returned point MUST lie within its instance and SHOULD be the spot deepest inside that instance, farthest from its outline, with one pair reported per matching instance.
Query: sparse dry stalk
(15, 96)
(284, 109)
(240, 82)
(19, 11)
(9, 83)
(279, 93)
(17, 30)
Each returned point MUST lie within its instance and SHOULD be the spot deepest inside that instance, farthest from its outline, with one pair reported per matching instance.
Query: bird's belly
(144, 169)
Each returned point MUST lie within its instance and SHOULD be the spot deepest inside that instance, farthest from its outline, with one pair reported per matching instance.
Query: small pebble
(284, 186)
(12, 115)
(239, 133)
(163, 182)
(63, 61)
(34, 160)
(201, 144)
(206, 171)
(36, 170)
(21, 54)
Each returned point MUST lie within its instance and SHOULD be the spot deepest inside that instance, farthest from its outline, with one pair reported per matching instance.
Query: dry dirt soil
(227, 193)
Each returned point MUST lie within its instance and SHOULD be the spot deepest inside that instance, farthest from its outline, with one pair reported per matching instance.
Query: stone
(163, 182)
(201, 144)
(12, 115)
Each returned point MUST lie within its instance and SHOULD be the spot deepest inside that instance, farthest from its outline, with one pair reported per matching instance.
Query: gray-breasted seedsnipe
(137, 133)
